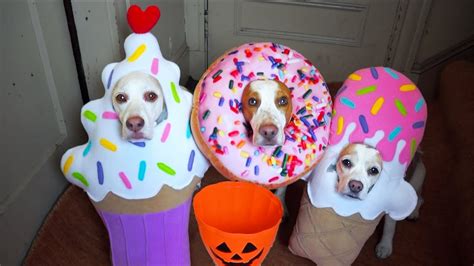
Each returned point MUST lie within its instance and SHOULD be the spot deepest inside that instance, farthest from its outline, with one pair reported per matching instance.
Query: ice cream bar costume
(380, 107)
(139, 169)
(221, 131)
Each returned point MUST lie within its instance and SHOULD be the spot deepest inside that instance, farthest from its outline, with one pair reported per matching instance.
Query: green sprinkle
(217, 74)
(81, 178)
(400, 107)
(90, 115)
(206, 114)
(307, 93)
(412, 147)
(276, 151)
(175, 92)
(165, 168)
(285, 159)
(231, 84)
(366, 90)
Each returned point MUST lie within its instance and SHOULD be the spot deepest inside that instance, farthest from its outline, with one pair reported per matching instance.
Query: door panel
(337, 36)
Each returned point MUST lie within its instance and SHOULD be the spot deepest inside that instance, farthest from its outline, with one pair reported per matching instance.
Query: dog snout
(268, 131)
(355, 186)
(135, 123)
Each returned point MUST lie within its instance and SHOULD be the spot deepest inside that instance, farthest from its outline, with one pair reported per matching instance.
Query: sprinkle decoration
(108, 145)
(165, 168)
(419, 124)
(374, 73)
(87, 149)
(355, 77)
(125, 180)
(391, 73)
(366, 90)
(67, 164)
(340, 125)
(140, 144)
(110, 115)
(137, 53)
(154, 66)
(363, 124)
(188, 131)
(175, 93)
(80, 178)
(166, 132)
(109, 80)
(141, 170)
(90, 115)
(419, 104)
(413, 146)
(347, 102)
(191, 160)
(408, 87)
(401, 108)
(394, 133)
(377, 106)
(100, 173)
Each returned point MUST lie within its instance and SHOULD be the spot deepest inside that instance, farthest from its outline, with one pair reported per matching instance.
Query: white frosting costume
(380, 107)
(138, 169)
(222, 133)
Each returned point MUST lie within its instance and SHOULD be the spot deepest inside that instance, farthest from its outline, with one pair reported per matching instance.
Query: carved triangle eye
(223, 248)
(249, 248)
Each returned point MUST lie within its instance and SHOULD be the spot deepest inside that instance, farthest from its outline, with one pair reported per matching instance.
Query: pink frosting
(223, 125)
(381, 99)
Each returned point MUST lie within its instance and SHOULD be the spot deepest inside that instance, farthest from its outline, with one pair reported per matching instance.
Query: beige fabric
(327, 238)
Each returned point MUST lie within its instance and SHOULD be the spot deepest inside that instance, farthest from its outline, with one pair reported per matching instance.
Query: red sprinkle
(235, 73)
(273, 179)
(286, 51)
(233, 133)
(216, 79)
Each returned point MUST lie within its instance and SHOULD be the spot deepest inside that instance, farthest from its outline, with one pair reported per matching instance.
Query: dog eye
(121, 98)
(373, 171)
(347, 163)
(252, 101)
(150, 96)
(283, 101)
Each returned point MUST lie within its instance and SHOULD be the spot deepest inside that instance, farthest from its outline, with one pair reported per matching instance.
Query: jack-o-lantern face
(245, 256)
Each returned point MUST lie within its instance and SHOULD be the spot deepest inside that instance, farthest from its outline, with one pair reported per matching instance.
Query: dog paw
(383, 251)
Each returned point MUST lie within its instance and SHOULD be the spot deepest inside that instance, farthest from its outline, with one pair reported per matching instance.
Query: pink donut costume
(380, 107)
(221, 131)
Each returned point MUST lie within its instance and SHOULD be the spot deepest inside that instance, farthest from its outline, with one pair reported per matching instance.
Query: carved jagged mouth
(248, 263)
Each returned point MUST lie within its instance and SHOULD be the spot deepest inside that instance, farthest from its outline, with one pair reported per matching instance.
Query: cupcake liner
(237, 221)
(326, 238)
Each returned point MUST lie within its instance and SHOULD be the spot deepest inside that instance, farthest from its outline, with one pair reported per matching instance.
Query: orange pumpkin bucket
(238, 221)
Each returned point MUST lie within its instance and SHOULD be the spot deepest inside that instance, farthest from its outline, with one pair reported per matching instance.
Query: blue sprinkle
(348, 102)
(256, 170)
(100, 173)
(141, 170)
(279, 154)
(316, 99)
(139, 144)
(419, 104)
(110, 79)
(191, 160)
(313, 135)
(256, 153)
(87, 149)
(305, 122)
(394, 133)
(239, 68)
(203, 129)
(419, 124)
(341, 90)
(221, 101)
(248, 162)
(188, 131)
(374, 73)
(363, 124)
(390, 72)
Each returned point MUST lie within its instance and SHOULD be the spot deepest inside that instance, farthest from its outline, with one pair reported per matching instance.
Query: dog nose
(268, 131)
(355, 186)
(135, 123)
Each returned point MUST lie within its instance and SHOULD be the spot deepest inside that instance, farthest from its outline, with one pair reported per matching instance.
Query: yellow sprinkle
(221, 133)
(306, 86)
(264, 158)
(108, 145)
(340, 124)
(273, 160)
(408, 87)
(355, 77)
(217, 94)
(377, 105)
(261, 58)
(138, 52)
(219, 120)
(244, 154)
(68, 164)
(234, 90)
(241, 144)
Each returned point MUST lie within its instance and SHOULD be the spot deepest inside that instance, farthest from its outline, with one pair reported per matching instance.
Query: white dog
(138, 99)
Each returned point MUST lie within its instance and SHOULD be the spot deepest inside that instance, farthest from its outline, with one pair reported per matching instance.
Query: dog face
(138, 100)
(266, 105)
(358, 168)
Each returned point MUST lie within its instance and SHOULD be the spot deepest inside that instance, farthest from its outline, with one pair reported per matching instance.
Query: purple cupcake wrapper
(149, 239)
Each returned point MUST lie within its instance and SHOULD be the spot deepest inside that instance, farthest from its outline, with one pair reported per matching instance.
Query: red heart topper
(142, 21)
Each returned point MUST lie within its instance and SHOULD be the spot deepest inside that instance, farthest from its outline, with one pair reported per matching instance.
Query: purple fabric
(149, 239)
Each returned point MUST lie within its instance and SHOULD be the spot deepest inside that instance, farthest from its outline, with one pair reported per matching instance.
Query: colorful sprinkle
(419, 104)
(221, 101)
(87, 149)
(363, 124)
(140, 144)
(217, 94)
(408, 87)
(244, 154)
(100, 173)
(165, 168)
(244, 173)
(141, 170)
(125, 180)
(175, 93)
(240, 144)
(108, 145)
(90, 115)
(412, 147)
(231, 84)
(374, 73)
(81, 178)
(355, 77)
(390, 72)
(256, 170)
(377, 106)
(138, 52)
(110, 115)
(109, 81)
(154, 66)
(188, 131)
(340, 125)
(400, 107)
(248, 162)
(307, 93)
(366, 90)
(166, 132)
(217, 74)
(191, 160)
(67, 164)
(206, 114)
(347, 102)
(419, 124)
(273, 179)
(394, 133)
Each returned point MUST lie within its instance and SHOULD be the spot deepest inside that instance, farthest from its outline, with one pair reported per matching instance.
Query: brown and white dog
(138, 100)
(267, 107)
(358, 168)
